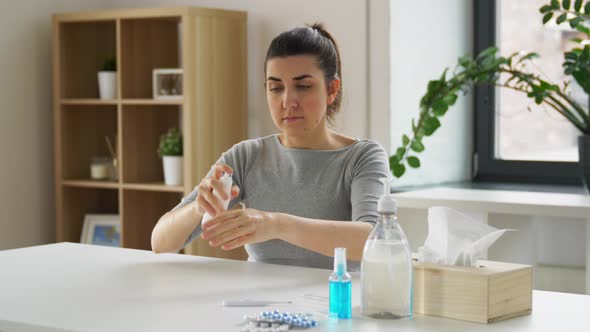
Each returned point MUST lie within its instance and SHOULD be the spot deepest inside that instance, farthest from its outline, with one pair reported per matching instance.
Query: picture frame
(167, 83)
(101, 229)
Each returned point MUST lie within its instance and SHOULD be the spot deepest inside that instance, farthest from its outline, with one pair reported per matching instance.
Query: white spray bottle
(226, 181)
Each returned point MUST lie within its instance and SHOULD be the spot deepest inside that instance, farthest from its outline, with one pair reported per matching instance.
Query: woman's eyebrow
(298, 78)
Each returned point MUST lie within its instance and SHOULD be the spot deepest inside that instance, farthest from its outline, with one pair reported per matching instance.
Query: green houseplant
(511, 72)
(170, 150)
(107, 79)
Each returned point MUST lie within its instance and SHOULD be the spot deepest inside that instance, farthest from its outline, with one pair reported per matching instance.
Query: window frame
(486, 166)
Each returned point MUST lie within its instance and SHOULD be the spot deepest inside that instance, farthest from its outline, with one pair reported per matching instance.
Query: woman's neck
(326, 140)
(321, 140)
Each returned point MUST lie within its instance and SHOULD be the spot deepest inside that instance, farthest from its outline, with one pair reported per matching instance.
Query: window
(517, 140)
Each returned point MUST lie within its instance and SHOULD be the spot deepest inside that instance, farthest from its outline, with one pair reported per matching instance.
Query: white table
(505, 201)
(74, 287)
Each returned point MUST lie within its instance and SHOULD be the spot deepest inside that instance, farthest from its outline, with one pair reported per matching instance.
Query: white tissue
(455, 238)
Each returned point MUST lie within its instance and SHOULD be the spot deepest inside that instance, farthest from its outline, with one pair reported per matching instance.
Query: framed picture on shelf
(102, 230)
(167, 83)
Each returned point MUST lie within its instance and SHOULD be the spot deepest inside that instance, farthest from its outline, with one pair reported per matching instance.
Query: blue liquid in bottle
(340, 295)
(340, 287)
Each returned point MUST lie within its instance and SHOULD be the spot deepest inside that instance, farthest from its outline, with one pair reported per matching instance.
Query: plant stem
(555, 105)
(577, 107)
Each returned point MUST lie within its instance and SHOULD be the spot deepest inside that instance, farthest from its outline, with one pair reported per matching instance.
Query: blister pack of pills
(276, 321)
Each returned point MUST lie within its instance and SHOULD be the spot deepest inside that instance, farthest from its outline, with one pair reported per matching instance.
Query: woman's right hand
(206, 201)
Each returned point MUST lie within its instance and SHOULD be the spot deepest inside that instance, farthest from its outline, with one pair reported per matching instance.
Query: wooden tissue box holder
(492, 292)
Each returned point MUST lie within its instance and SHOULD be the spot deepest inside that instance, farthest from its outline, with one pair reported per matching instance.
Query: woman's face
(297, 95)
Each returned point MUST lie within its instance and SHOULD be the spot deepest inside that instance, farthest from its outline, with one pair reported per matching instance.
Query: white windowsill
(563, 201)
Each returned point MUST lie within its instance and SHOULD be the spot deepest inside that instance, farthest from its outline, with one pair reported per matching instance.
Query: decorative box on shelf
(491, 292)
(167, 83)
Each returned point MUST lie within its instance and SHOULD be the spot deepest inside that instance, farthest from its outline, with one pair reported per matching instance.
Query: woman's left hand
(235, 228)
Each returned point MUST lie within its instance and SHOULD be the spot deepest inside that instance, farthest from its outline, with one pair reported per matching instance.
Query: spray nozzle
(340, 261)
(386, 203)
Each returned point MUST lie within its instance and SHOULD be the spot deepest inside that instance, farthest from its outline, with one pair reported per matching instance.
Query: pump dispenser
(340, 287)
(386, 267)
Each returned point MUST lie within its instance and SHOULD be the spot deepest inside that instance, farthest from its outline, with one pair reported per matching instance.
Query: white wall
(26, 121)
(27, 214)
(346, 20)
(426, 37)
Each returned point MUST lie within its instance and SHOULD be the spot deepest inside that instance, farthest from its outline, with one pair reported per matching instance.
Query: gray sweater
(342, 184)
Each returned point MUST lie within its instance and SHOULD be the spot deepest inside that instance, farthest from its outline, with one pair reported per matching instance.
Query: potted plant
(170, 150)
(510, 72)
(107, 79)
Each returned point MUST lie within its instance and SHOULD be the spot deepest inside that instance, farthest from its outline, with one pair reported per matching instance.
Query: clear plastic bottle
(386, 267)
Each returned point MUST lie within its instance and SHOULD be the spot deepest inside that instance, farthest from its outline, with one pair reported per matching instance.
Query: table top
(75, 287)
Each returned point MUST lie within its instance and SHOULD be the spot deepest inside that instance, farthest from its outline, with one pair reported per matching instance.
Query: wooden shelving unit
(209, 45)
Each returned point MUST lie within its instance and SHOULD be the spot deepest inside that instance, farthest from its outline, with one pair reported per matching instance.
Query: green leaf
(583, 79)
(434, 85)
(417, 146)
(587, 8)
(413, 162)
(528, 56)
(465, 61)
(554, 4)
(439, 107)
(487, 52)
(561, 18)
(393, 161)
(398, 170)
(419, 133)
(566, 4)
(431, 124)
(547, 17)
(405, 140)
(585, 54)
(574, 23)
(545, 9)
(400, 153)
(583, 28)
(450, 99)
(578, 5)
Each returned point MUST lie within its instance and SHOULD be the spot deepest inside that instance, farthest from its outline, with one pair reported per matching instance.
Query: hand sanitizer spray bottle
(340, 287)
(226, 181)
(386, 267)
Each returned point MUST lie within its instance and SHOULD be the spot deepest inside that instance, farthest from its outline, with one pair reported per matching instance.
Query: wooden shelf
(152, 102)
(142, 211)
(153, 186)
(89, 101)
(209, 45)
(82, 136)
(79, 201)
(84, 48)
(91, 184)
(145, 101)
(143, 126)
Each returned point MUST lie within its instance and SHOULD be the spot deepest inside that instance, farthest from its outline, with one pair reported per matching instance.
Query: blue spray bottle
(340, 287)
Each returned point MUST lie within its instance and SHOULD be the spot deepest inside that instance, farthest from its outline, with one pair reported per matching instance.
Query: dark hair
(311, 40)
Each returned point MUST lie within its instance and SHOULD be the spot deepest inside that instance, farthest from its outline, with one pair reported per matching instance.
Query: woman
(308, 189)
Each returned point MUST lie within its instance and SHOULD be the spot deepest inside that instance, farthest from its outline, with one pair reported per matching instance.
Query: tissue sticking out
(455, 238)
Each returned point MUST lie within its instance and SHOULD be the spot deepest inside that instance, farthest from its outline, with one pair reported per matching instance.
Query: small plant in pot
(170, 150)
(107, 79)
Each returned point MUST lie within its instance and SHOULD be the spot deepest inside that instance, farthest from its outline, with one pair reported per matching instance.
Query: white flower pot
(173, 170)
(107, 84)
